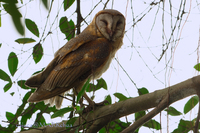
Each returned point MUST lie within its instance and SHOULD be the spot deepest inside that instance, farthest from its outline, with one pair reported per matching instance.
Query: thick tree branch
(198, 116)
(96, 120)
(53, 128)
(168, 99)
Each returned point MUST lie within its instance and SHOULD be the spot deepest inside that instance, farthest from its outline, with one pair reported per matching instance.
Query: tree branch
(79, 17)
(159, 99)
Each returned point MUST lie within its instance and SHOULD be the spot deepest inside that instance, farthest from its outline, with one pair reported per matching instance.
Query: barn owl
(84, 57)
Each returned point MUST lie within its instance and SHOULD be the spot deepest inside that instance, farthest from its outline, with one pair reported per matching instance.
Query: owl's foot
(91, 107)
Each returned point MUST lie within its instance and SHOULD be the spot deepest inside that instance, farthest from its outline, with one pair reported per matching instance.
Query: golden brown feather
(86, 56)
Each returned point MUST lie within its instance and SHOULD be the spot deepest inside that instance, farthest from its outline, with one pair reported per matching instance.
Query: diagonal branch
(159, 99)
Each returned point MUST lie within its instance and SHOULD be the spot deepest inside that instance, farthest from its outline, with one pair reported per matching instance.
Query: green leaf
(0, 45)
(172, 111)
(61, 112)
(70, 122)
(9, 116)
(21, 108)
(38, 71)
(67, 4)
(24, 100)
(85, 86)
(67, 28)
(184, 126)
(12, 63)
(40, 106)
(40, 120)
(25, 40)
(143, 91)
(108, 98)
(11, 8)
(7, 86)
(21, 83)
(80, 110)
(4, 76)
(100, 84)
(12, 93)
(32, 27)
(192, 102)
(6, 1)
(50, 109)
(139, 114)
(37, 52)
(117, 126)
(153, 124)
(27, 95)
(197, 67)
(45, 3)
(25, 117)
(91, 88)
(103, 130)
(30, 110)
(120, 96)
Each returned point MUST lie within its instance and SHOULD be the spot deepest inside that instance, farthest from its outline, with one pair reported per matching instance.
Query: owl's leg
(77, 89)
(91, 103)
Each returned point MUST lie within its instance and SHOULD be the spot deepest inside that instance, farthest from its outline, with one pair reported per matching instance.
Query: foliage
(61, 112)
(24, 40)
(67, 27)
(37, 52)
(172, 111)
(32, 27)
(120, 96)
(197, 67)
(185, 126)
(191, 104)
(115, 126)
(25, 112)
(11, 8)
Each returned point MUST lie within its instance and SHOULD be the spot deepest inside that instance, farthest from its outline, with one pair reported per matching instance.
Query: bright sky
(138, 56)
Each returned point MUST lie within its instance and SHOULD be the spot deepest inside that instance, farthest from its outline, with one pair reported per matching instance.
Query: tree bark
(159, 99)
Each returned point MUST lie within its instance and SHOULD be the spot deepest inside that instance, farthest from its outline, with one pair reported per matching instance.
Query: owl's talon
(94, 106)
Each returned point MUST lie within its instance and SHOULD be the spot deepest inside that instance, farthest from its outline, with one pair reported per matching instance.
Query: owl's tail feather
(57, 101)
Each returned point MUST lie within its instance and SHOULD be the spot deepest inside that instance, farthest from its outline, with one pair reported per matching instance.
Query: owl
(87, 56)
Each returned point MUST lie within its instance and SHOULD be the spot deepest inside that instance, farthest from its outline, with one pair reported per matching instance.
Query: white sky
(145, 42)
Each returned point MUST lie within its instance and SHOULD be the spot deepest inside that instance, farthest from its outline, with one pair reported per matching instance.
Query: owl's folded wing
(71, 46)
(74, 68)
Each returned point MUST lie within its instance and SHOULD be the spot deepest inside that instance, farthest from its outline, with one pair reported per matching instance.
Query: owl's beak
(110, 33)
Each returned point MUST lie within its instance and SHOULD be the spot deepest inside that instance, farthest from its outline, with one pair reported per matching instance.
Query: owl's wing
(73, 68)
(71, 46)
(85, 37)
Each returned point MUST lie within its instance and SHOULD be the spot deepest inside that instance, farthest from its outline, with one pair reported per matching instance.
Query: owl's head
(110, 23)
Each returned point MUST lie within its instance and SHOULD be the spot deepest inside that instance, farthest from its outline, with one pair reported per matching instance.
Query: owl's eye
(119, 22)
(104, 21)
